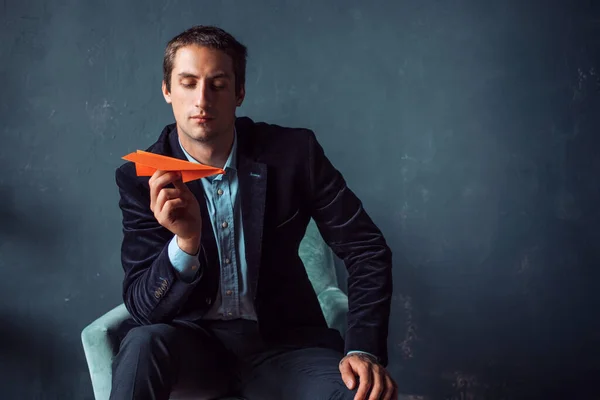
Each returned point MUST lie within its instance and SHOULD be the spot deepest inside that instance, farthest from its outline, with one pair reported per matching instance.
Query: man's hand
(176, 209)
(375, 382)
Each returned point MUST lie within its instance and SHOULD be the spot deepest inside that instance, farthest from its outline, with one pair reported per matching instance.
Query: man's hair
(211, 37)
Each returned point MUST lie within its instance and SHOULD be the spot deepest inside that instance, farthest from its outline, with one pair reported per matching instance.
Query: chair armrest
(334, 304)
(100, 349)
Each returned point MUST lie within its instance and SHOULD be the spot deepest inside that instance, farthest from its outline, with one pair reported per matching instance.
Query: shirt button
(227, 261)
(224, 224)
(220, 192)
(230, 313)
(228, 292)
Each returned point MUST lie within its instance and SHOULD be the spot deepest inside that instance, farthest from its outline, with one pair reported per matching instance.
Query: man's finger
(378, 386)
(158, 181)
(172, 206)
(155, 175)
(347, 374)
(395, 393)
(389, 389)
(163, 196)
(365, 381)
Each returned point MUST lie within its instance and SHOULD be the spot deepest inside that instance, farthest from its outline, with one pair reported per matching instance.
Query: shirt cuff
(363, 352)
(186, 264)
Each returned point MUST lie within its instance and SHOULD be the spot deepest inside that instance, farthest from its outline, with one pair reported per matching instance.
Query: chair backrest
(318, 259)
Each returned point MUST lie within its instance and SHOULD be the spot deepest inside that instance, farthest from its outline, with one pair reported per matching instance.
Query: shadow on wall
(22, 230)
(524, 325)
(34, 348)
(8, 220)
(33, 344)
(518, 325)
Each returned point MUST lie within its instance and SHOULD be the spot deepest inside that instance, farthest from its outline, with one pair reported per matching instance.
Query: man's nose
(203, 96)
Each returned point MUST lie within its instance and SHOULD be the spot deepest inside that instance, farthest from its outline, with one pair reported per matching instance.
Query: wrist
(189, 245)
(363, 354)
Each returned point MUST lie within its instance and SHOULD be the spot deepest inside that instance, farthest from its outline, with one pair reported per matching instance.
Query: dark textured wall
(468, 128)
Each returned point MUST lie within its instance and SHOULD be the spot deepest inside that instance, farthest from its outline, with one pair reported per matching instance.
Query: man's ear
(166, 93)
(241, 95)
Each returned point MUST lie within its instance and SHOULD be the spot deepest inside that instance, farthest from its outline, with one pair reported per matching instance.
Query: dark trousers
(221, 358)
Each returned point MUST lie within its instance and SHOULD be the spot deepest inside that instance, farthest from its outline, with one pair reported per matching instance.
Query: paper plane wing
(147, 163)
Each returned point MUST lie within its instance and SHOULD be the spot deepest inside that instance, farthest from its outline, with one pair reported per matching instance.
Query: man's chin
(203, 135)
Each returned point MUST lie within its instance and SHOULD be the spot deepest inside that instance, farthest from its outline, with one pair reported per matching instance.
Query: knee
(146, 338)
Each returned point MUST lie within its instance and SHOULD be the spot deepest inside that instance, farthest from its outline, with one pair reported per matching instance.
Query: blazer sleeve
(354, 238)
(153, 292)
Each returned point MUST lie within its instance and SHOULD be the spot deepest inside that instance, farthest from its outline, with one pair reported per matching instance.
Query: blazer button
(208, 300)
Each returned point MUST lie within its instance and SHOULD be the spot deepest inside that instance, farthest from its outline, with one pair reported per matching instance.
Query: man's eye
(187, 85)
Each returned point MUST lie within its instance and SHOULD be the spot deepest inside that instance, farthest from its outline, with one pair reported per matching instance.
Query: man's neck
(214, 153)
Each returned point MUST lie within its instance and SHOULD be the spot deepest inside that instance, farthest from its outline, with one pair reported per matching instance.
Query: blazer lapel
(252, 176)
(253, 190)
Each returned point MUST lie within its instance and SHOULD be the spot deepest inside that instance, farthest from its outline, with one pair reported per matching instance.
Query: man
(220, 298)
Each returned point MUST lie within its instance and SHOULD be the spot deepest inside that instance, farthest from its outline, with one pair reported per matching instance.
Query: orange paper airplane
(147, 163)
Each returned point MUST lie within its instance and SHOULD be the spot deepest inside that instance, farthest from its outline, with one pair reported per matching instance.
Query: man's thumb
(178, 184)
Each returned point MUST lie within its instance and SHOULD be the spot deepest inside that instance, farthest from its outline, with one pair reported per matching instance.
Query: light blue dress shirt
(221, 192)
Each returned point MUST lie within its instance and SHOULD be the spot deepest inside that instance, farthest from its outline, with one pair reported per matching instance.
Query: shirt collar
(230, 164)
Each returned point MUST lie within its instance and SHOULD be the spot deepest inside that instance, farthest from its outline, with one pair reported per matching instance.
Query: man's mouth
(202, 118)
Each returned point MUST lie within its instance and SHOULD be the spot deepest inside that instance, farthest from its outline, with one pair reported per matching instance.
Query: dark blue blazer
(285, 179)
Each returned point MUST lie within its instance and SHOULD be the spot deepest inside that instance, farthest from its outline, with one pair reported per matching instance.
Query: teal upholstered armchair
(100, 341)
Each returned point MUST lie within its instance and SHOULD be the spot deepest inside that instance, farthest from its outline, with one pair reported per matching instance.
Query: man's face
(203, 93)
